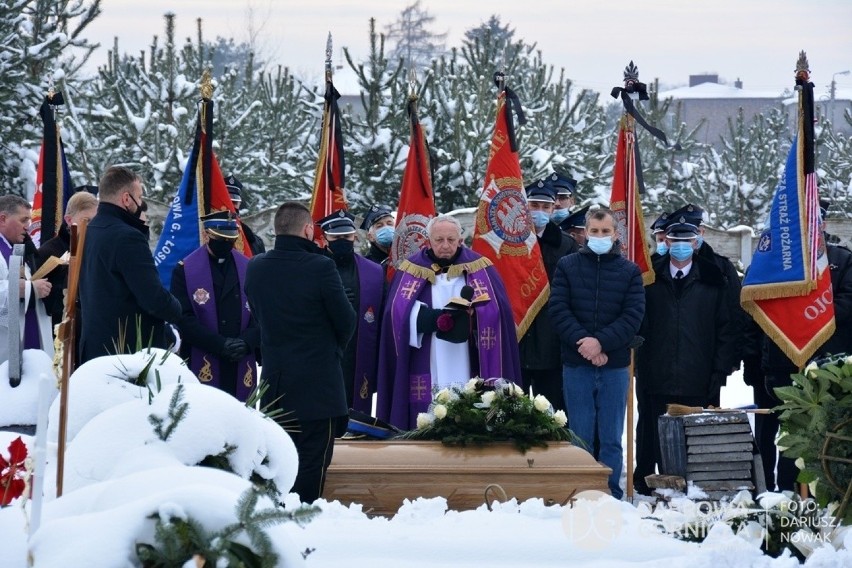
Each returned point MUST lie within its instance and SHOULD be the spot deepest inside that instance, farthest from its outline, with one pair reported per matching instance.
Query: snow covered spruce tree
(835, 167)
(40, 42)
(376, 138)
(413, 42)
(141, 111)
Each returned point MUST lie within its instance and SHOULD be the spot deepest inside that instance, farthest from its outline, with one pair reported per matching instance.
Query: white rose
(424, 420)
(471, 385)
(440, 411)
(848, 360)
(541, 403)
(810, 370)
(518, 391)
(559, 418)
(488, 398)
(443, 396)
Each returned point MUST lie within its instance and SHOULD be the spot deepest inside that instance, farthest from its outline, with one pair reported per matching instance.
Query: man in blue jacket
(596, 305)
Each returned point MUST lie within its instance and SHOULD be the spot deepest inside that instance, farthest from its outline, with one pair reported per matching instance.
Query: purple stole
(32, 337)
(371, 279)
(199, 286)
(405, 381)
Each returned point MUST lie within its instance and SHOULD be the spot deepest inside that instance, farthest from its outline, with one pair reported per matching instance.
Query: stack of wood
(714, 451)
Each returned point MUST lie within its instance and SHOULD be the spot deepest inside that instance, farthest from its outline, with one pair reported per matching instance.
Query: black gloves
(448, 325)
(235, 349)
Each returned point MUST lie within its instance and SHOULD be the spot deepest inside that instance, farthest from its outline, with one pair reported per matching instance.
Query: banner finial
(803, 71)
(328, 52)
(206, 85)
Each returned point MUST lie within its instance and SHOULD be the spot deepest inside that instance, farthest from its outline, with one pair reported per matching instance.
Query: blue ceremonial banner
(779, 266)
(181, 232)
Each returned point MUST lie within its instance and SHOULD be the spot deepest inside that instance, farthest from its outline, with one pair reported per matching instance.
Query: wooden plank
(712, 466)
(719, 475)
(716, 448)
(657, 481)
(710, 419)
(744, 437)
(728, 485)
(717, 429)
(720, 457)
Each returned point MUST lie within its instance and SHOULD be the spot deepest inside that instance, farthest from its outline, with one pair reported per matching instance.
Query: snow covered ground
(120, 476)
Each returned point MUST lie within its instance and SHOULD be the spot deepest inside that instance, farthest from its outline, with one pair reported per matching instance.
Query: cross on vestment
(488, 339)
(419, 387)
(409, 290)
(479, 287)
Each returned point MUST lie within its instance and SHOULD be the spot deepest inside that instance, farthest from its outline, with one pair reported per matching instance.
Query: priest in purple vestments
(35, 328)
(426, 346)
(364, 282)
(218, 333)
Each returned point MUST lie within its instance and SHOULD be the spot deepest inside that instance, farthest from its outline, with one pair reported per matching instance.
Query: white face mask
(599, 245)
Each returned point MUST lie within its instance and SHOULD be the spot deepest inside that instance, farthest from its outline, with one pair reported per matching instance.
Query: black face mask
(342, 249)
(219, 247)
(140, 207)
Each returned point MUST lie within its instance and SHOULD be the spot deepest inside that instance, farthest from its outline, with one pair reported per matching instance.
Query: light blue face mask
(681, 250)
(599, 245)
(662, 248)
(559, 215)
(700, 240)
(384, 236)
(539, 219)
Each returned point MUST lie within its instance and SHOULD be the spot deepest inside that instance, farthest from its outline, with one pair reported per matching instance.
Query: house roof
(717, 91)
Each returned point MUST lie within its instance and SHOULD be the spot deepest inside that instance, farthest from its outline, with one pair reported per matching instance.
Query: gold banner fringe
(532, 312)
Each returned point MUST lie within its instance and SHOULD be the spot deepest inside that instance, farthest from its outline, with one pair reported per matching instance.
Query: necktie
(678, 282)
(679, 275)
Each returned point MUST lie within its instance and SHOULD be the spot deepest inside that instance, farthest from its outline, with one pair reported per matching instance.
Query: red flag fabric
(329, 195)
(220, 199)
(625, 204)
(503, 231)
(787, 289)
(416, 200)
(53, 180)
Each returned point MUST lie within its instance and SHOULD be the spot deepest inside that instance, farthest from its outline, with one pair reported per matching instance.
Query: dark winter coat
(597, 296)
(255, 243)
(740, 319)
(305, 324)
(54, 303)
(377, 255)
(540, 346)
(690, 340)
(120, 284)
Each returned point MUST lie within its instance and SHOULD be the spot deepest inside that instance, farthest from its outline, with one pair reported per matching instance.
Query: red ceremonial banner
(625, 204)
(503, 231)
(328, 194)
(416, 200)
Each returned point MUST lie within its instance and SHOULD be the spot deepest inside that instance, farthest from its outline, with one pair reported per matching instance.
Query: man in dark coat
(120, 290)
(235, 189)
(574, 226)
(305, 322)
(776, 368)
(379, 223)
(564, 188)
(694, 215)
(541, 365)
(596, 306)
(218, 334)
(363, 282)
(80, 208)
(690, 339)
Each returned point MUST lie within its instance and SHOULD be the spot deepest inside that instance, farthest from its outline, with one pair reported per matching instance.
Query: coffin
(380, 474)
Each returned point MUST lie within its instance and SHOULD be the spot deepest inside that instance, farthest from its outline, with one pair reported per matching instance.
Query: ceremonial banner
(787, 289)
(202, 190)
(503, 229)
(625, 203)
(328, 192)
(53, 182)
(416, 200)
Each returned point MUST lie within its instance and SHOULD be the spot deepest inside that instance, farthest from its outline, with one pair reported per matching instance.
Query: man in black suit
(120, 290)
(218, 333)
(306, 322)
(235, 189)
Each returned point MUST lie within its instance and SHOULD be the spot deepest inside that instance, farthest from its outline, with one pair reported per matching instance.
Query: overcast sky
(755, 40)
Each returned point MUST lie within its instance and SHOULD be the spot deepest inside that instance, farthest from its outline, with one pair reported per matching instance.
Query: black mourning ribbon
(512, 103)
